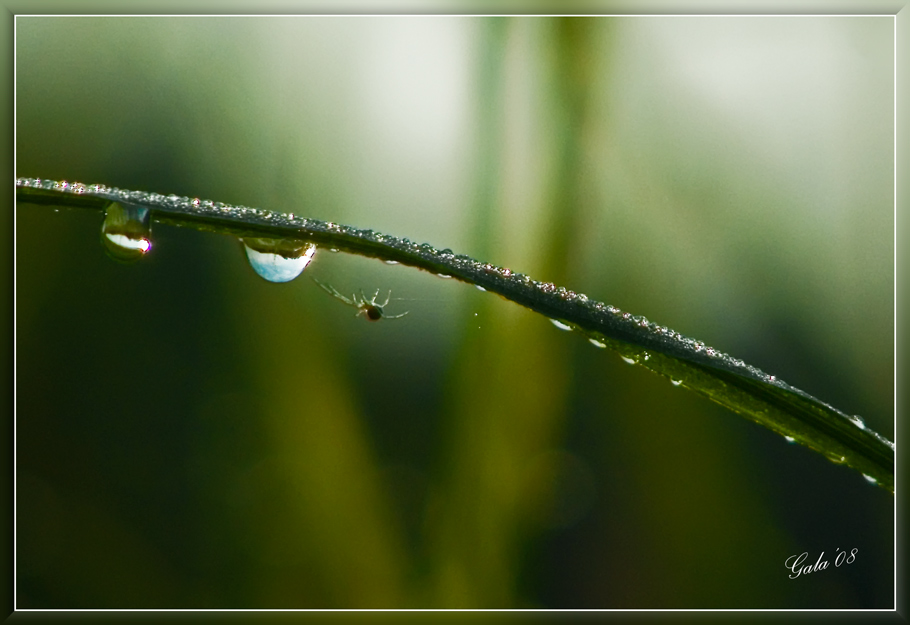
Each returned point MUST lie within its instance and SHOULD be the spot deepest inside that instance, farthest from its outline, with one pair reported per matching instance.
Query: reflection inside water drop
(560, 325)
(126, 231)
(278, 260)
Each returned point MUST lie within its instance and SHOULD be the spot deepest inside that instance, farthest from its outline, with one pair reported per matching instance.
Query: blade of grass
(721, 378)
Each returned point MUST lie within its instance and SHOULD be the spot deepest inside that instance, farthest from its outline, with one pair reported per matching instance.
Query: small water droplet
(278, 260)
(444, 276)
(479, 288)
(628, 360)
(126, 232)
(597, 343)
(675, 382)
(560, 325)
(789, 439)
(870, 479)
(647, 356)
(771, 378)
(333, 250)
(391, 262)
(858, 422)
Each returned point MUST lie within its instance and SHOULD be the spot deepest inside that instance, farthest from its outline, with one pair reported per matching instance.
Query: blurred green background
(192, 436)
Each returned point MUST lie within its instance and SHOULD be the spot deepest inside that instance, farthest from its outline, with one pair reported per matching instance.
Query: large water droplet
(126, 231)
(278, 260)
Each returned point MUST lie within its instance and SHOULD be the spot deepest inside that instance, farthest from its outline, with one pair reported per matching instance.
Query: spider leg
(396, 316)
(387, 298)
(328, 288)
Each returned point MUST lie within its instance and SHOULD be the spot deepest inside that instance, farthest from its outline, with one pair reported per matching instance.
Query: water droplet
(771, 378)
(333, 250)
(858, 422)
(647, 356)
(443, 275)
(391, 262)
(479, 288)
(675, 382)
(597, 343)
(126, 232)
(560, 325)
(628, 360)
(789, 439)
(870, 479)
(278, 260)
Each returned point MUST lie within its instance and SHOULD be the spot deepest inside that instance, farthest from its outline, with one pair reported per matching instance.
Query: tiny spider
(368, 308)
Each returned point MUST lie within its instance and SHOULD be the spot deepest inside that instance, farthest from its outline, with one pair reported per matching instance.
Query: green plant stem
(728, 381)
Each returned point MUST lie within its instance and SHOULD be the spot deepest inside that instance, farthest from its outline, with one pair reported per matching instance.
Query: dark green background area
(190, 435)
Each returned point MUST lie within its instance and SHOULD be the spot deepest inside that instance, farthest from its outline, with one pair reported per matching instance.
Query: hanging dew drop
(597, 343)
(126, 232)
(278, 260)
(675, 382)
(628, 360)
(560, 325)
(444, 276)
(479, 288)
(789, 439)
(870, 479)
(858, 422)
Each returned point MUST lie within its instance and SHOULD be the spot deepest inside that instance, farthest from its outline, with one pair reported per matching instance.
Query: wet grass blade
(721, 378)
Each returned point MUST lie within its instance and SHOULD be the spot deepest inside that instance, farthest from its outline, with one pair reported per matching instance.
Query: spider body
(370, 309)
